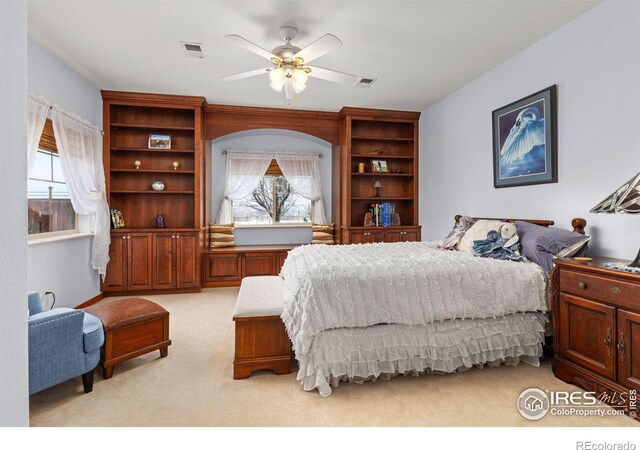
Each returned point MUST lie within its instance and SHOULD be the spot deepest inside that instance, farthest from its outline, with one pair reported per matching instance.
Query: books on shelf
(382, 215)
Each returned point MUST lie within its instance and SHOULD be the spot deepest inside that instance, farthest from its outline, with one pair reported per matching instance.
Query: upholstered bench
(132, 327)
(261, 338)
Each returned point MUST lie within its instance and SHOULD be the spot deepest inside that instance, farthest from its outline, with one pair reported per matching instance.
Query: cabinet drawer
(223, 267)
(601, 288)
(259, 264)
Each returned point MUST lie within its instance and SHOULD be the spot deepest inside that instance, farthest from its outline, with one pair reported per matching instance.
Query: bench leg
(164, 352)
(87, 381)
(107, 372)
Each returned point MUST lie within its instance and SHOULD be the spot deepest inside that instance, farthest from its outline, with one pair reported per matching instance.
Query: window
(50, 210)
(272, 202)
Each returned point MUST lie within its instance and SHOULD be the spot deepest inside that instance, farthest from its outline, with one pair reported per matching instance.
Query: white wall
(268, 140)
(14, 378)
(63, 267)
(595, 61)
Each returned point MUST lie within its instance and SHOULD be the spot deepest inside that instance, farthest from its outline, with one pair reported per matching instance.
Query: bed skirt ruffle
(384, 351)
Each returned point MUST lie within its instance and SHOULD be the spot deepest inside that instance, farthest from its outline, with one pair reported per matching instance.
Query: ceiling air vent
(365, 82)
(193, 49)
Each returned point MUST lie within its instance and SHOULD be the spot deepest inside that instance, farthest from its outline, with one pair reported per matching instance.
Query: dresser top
(596, 267)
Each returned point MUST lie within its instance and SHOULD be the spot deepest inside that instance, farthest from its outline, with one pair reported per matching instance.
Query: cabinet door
(412, 235)
(259, 263)
(393, 236)
(358, 237)
(116, 279)
(163, 261)
(139, 262)
(376, 236)
(187, 260)
(629, 349)
(223, 267)
(587, 334)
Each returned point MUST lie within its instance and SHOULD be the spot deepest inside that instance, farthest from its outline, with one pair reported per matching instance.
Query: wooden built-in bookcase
(367, 135)
(156, 258)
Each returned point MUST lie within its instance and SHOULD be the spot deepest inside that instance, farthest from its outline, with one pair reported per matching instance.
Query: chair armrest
(93, 333)
(55, 334)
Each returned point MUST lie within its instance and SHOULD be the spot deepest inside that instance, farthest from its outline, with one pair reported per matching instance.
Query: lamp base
(636, 262)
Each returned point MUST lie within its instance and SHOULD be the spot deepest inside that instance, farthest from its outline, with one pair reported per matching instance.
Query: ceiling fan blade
(332, 75)
(319, 47)
(242, 42)
(250, 73)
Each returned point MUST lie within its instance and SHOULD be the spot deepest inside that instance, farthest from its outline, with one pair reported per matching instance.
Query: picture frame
(117, 220)
(379, 166)
(160, 141)
(525, 141)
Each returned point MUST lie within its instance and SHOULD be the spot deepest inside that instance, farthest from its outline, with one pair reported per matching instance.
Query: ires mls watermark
(534, 403)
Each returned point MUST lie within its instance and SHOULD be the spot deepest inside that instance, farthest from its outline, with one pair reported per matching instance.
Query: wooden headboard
(577, 223)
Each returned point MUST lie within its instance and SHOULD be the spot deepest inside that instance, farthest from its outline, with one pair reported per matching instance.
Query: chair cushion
(93, 334)
(260, 296)
(35, 304)
(126, 312)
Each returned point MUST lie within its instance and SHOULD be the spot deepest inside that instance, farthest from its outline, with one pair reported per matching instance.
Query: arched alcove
(267, 140)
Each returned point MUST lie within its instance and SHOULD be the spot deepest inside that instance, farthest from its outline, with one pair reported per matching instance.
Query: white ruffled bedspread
(414, 286)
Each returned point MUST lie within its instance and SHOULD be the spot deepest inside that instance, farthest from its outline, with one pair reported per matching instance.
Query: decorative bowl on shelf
(157, 185)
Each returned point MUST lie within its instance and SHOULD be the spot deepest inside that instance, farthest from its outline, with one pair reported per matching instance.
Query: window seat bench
(227, 266)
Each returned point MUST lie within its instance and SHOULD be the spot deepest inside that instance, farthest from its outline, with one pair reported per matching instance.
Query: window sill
(271, 225)
(54, 239)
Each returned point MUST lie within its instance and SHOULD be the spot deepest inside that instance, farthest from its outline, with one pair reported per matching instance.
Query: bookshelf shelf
(152, 126)
(382, 138)
(154, 171)
(150, 150)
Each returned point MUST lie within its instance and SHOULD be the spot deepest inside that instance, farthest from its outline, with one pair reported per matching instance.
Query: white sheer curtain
(244, 172)
(36, 116)
(80, 148)
(303, 174)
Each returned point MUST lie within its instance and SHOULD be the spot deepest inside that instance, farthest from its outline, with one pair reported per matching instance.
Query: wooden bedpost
(578, 225)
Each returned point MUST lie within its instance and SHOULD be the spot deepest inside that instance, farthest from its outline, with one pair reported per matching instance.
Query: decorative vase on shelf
(159, 221)
(157, 185)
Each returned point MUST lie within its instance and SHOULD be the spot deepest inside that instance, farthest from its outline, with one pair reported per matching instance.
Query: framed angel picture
(524, 141)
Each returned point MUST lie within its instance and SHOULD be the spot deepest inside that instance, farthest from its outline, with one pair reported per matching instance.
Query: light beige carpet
(193, 386)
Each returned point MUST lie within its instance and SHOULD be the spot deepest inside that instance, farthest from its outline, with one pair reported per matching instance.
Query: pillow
(541, 244)
(322, 233)
(477, 232)
(459, 229)
(221, 235)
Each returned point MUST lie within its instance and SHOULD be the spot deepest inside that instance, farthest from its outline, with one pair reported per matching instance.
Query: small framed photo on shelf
(116, 218)
(162, 141)
(378, 165)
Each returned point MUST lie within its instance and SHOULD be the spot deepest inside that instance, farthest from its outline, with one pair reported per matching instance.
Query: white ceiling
(420, 51)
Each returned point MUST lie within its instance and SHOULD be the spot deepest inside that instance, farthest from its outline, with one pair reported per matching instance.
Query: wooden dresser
(596, 319)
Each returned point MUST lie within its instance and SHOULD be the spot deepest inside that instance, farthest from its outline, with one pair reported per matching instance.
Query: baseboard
(91, 301)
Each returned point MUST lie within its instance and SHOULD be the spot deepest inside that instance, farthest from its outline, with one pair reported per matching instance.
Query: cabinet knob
(177, 236)
(173, 237)
(124, 237)
(582, 285)
(128, 237)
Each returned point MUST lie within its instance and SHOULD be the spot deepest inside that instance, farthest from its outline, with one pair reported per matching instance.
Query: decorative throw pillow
(542, 244)
(221, 235)
(322, 233)
(477, 232)
(459, 229)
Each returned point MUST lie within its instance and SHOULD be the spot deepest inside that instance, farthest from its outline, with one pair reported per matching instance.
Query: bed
(362, 312)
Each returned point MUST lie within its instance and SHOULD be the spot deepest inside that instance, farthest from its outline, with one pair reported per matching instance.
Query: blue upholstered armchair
(63, 343)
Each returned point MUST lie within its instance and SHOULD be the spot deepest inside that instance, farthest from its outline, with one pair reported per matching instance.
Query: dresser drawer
(601, 288)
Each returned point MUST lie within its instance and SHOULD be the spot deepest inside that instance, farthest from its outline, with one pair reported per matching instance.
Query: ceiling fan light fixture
(300, 76)
(298, 87)
(277, 85)
(277, 75)
(289, 89)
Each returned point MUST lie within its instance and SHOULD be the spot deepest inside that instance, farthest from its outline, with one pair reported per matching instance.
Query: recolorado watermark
(589, 445)
(534, 404)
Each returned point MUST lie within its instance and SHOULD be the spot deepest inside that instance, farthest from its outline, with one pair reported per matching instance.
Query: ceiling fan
(290, 71)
